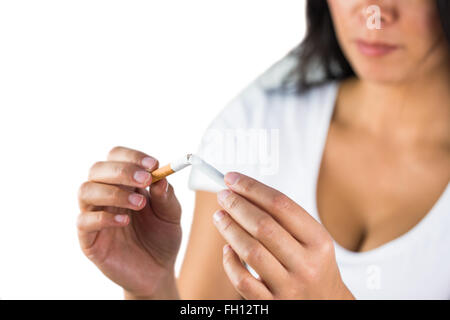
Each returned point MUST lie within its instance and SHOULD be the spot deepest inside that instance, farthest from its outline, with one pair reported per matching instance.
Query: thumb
(163, 201)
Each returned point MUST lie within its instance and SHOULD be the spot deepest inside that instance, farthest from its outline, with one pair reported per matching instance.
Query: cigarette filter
(170, 168)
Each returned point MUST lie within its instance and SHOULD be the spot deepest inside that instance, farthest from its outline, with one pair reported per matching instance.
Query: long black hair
(319, 57)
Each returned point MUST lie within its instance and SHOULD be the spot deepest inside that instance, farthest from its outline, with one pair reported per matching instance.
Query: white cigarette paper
(181, 163)
(207, 169)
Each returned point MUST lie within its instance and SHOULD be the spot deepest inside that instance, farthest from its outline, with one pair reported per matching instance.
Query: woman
(358, 205)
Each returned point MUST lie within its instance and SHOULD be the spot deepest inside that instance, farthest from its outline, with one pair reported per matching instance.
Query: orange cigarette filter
(170, 168)
(161, 173)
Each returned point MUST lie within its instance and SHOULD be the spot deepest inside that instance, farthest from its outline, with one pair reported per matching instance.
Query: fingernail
(121, 218)
(218, 215)
(136, 199)
(222, 195)
(226, 248)
(148, 162)
(141, 176)
(232, 177)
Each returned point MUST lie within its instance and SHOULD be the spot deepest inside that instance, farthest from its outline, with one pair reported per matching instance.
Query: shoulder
(264, 104)
(262, 127)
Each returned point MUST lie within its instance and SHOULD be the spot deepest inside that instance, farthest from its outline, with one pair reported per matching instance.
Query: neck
(417, 110)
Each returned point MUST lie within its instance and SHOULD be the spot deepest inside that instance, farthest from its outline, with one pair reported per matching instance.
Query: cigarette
(208, 170)
(187, 160)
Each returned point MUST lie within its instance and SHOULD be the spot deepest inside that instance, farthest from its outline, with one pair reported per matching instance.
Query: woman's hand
(292, 253)
(131, 234)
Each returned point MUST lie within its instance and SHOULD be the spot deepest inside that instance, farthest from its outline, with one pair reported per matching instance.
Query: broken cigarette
(187, 160)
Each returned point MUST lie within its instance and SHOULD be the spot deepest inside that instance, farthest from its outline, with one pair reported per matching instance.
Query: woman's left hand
(292, 253)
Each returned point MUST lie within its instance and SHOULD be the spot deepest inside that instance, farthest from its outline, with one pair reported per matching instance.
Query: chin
(380, 70)
(380, 74)
(392, 68)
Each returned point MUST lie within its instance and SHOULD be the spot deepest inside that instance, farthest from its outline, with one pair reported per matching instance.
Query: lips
(375, 49)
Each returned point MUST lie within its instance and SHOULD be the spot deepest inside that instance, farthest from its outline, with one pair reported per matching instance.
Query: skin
(382, 159)
(291, 252)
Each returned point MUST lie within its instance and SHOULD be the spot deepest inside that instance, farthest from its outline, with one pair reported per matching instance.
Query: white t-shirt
(278, 139)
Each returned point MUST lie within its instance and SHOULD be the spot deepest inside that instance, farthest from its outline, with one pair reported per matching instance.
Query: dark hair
(319, 58)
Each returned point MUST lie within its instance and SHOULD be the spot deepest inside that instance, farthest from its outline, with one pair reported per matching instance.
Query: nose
(384, 10)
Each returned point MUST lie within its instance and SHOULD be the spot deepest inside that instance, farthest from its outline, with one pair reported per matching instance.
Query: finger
(263, 227)
(251, 251)
(98, 194)
(288, 213)
(139, 158)
(89, 223)
(164, 203)
(123, 173)
(247, 286)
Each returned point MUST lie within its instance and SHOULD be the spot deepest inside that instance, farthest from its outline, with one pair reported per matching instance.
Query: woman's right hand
(131, 234)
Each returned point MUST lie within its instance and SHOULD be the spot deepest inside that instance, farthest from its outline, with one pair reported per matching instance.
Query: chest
(370, 192)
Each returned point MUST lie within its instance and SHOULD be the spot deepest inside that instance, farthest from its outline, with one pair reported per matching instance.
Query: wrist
(167, 290)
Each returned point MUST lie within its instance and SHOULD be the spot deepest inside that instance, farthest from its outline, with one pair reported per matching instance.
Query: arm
(202, 275)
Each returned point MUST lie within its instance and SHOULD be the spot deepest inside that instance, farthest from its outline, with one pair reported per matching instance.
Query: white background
(79, 77)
